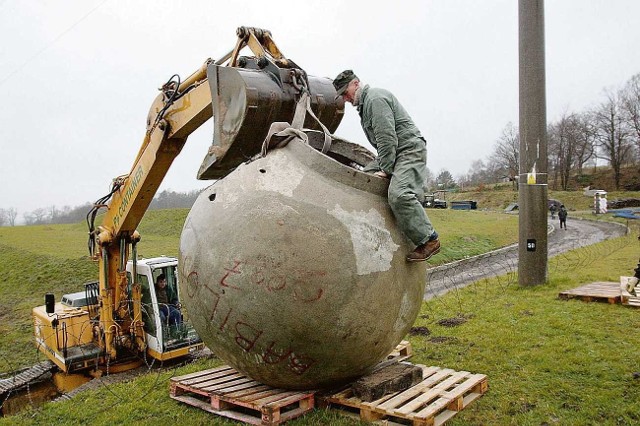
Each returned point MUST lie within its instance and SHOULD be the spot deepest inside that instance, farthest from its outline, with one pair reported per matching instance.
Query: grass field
(548, 361)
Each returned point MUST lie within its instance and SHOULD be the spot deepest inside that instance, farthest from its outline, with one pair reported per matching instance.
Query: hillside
(602, 177)
(498, 197)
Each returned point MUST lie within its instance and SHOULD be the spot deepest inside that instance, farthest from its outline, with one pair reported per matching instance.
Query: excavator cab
(168, 331)
(249, 93)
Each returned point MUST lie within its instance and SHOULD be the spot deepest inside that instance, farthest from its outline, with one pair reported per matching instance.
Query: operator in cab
(167, 302)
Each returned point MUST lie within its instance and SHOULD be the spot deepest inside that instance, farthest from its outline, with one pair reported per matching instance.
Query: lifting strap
(281, 133)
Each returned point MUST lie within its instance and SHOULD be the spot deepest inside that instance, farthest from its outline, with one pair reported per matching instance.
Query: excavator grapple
(250, 93)
(247, 100)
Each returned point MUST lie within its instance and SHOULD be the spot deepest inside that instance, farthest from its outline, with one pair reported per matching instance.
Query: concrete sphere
(293, 272)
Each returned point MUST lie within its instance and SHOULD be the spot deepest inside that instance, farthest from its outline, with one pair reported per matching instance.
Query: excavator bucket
(248, 99)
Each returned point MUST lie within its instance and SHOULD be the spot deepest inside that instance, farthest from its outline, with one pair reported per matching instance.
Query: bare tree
(429, 181)
(586, 143)
(8, 216)
(482, 172)
(476, 174)
(631, 108)
(12, 214)
(554, 150)
(506, 152)
(53, 214)
(565, 138)
(36, 217)
(612, 134)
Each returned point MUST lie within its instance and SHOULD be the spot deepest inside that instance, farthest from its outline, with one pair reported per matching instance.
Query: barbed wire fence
(494, 273)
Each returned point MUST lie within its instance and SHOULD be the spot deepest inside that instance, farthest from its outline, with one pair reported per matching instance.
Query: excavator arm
(245, 96)
(169, 125)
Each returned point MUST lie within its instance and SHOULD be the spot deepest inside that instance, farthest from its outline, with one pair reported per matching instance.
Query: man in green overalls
(402, 158)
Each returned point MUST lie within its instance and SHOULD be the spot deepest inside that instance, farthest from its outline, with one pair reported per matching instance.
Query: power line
(39, 52)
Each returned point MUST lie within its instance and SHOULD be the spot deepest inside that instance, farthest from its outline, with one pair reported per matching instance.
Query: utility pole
(532, 184)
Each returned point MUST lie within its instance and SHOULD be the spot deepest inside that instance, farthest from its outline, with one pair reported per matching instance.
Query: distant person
(402, 158)
(553, 210)
(168, 304)
(562, 215)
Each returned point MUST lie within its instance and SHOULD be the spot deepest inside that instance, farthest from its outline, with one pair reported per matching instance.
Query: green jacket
(388, 126)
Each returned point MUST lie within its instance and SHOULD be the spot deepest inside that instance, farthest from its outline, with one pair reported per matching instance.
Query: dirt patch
(452, 322)
(419, 331)
(520, 407)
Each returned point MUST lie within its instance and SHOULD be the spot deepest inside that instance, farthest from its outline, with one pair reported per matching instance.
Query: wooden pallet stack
(225, 392)
(402, 351)
(594, 292)
(601, 291)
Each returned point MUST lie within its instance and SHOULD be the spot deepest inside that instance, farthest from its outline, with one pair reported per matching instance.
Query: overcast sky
(78, 77)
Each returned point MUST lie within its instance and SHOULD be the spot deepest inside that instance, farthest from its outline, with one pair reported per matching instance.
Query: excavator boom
(245, 95)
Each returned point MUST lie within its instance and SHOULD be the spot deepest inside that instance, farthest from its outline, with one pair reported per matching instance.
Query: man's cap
(342, 81)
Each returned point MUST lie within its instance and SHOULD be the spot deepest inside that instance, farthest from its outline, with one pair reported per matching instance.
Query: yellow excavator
(116, 322)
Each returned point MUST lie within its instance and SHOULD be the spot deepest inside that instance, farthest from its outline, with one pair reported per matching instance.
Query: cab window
(172, 280)
(147, 305)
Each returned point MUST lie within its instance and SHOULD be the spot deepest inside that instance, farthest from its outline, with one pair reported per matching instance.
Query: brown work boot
(424, 251)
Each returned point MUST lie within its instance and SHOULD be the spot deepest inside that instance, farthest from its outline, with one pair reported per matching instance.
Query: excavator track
(30, 386)
(17, 391)
(26, 377)
(99, 382)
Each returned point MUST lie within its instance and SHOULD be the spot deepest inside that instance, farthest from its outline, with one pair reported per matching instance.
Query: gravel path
(455, 275)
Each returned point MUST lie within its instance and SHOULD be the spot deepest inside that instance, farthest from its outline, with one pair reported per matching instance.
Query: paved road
(579, 233)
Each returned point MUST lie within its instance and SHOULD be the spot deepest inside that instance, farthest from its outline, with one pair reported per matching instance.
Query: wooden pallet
(228, 393)
(440, 396)
(596, 291)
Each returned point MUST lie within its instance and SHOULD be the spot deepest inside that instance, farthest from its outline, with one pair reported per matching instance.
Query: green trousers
(406, 191)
